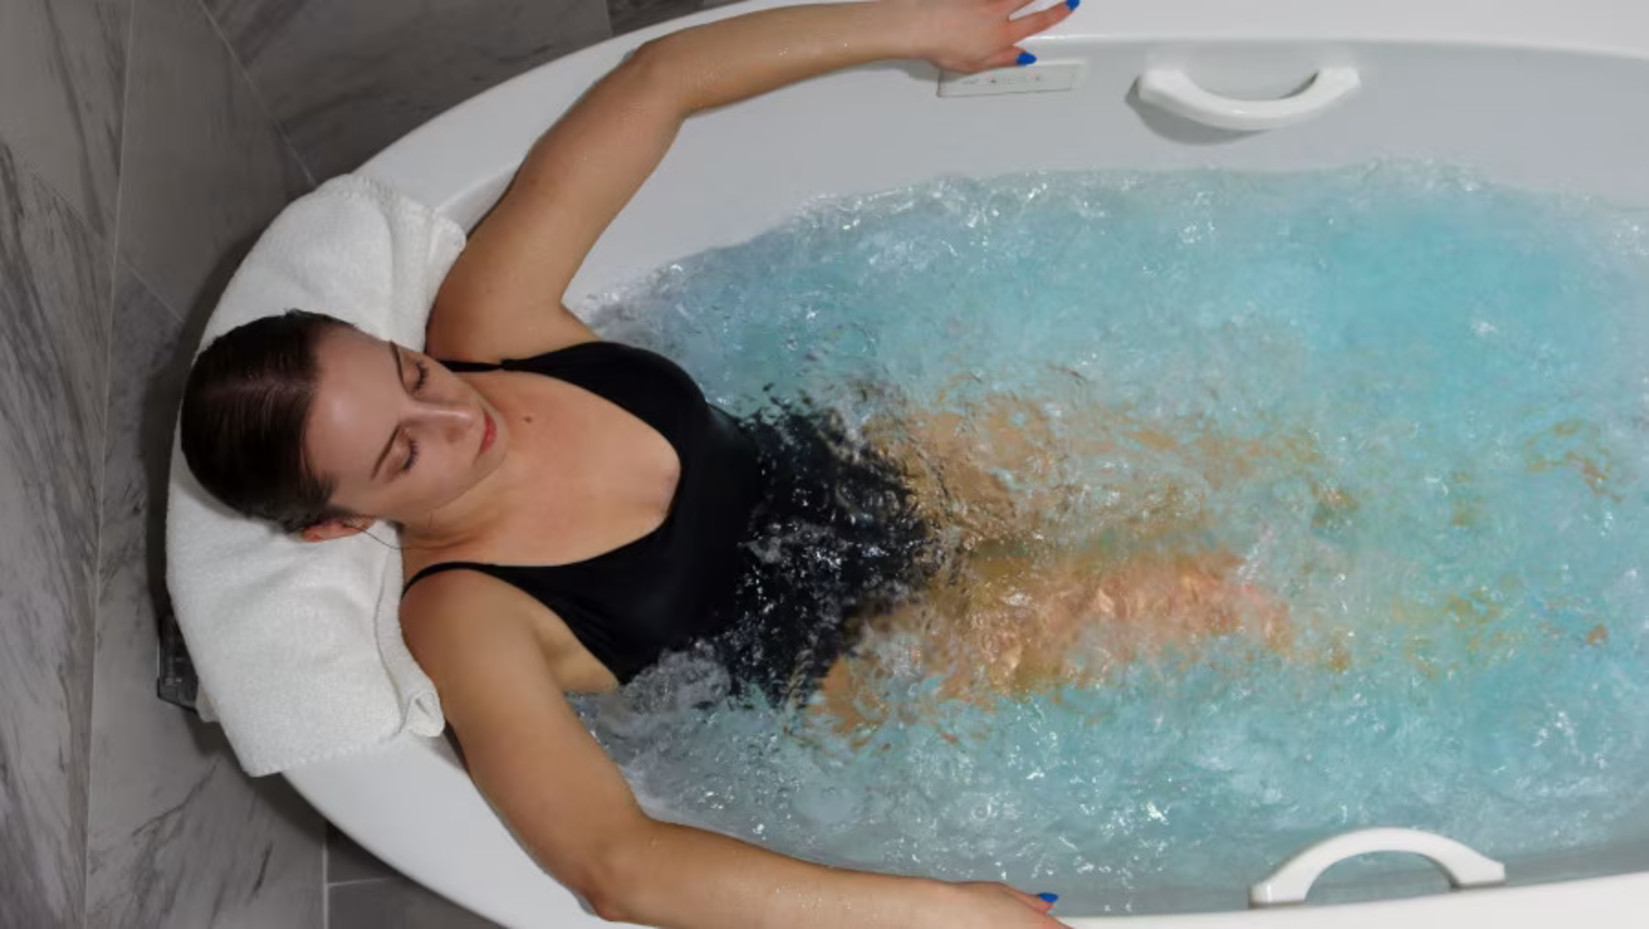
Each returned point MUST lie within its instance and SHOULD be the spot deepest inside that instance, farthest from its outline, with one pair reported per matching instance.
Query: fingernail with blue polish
(1051, 898)
(1025, 58)
(1073, 4)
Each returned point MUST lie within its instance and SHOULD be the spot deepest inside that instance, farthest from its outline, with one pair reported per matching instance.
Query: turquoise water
(1410, 409)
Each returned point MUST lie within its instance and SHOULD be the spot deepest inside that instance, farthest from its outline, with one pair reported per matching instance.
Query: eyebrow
(400, 378)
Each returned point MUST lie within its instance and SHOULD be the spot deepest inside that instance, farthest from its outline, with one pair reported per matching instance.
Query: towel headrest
(298, 645)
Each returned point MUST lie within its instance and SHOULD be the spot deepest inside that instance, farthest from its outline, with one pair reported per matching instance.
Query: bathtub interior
(1517, 114)
(1525, 117)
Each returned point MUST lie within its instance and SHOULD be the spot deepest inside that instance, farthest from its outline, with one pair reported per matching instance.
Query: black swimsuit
(781, 530)
(631, 603)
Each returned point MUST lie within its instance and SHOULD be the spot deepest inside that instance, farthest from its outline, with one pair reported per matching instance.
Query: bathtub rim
(411, 770)
(437, 163)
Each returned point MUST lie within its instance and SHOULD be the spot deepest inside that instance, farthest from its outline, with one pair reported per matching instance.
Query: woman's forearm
(582, 172)
(727, 61)
(676, 877)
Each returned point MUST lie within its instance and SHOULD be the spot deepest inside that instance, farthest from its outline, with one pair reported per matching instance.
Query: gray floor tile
(347, 862)
(397, 903)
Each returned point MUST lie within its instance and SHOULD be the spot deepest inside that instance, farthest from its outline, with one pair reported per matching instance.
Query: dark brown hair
(242, 425)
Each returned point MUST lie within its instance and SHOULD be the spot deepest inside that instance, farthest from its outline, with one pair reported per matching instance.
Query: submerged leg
(1052, 577)
(1016, 624)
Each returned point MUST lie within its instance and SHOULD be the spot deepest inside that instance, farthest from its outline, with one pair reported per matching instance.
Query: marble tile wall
(630, 15)
(204, 167)
(135, 159)
(345, 79)
(61, 66)
(54, 293)
(61, 80)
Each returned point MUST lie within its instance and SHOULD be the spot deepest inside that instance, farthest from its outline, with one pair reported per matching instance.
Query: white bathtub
(1535, 93)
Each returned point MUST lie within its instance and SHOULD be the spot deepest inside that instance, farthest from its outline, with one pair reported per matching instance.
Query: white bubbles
(1407, 404)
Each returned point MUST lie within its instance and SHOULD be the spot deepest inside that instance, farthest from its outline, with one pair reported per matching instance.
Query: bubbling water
(1327, 487)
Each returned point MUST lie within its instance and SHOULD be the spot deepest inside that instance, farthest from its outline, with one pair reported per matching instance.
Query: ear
(335, 528)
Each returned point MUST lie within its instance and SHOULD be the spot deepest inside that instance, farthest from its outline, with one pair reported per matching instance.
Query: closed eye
(417, 385)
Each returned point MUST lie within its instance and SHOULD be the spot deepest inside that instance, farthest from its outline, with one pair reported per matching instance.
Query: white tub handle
(1173, 90)
(1291, 882)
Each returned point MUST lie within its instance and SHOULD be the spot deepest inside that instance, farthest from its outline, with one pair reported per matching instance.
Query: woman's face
(400, 434)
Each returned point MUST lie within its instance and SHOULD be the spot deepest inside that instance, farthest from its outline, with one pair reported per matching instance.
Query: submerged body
(741, 489)
(699, 570)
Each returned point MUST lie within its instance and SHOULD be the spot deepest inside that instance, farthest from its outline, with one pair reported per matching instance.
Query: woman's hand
(981, 905)
(975, 35)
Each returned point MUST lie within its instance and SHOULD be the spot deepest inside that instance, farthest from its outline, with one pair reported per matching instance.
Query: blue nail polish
(1025, 58)
(1051, 898)
(1073, 4)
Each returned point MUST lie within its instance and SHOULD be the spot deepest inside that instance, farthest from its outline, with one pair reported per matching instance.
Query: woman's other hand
(976, 35)
(982, 905)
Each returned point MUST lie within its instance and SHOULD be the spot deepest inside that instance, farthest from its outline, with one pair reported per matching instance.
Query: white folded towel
(298, 645)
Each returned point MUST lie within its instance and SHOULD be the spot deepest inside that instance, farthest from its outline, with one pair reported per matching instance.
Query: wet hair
(242, 425)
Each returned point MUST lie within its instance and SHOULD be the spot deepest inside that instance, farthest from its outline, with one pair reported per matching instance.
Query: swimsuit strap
(471, 366)
(444, 566)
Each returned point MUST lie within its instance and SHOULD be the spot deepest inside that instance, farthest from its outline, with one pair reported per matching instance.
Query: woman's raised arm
(503, 296)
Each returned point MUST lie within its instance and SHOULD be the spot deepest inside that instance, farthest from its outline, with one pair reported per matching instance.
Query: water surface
(1407, 407)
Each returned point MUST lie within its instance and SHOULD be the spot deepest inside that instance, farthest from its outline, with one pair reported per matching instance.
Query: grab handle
(1291, 882)
(1174, 90)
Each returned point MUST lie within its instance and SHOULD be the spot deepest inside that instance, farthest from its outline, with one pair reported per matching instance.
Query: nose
(451, 421)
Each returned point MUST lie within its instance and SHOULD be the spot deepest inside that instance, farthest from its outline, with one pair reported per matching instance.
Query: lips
(487, 434)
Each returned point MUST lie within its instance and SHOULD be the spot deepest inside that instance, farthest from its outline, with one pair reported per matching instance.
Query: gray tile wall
(54, 297)
(61, 79)
(60, 85)
(134, 159)
(630, 15)
(205, 167)
(347, 78)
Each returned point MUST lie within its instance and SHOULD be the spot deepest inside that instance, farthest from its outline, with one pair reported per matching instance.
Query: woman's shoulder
(451, 614)
(440, 601)
(468, 328)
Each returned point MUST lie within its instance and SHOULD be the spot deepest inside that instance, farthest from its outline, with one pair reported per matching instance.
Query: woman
(323, 429)
(569, 508)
